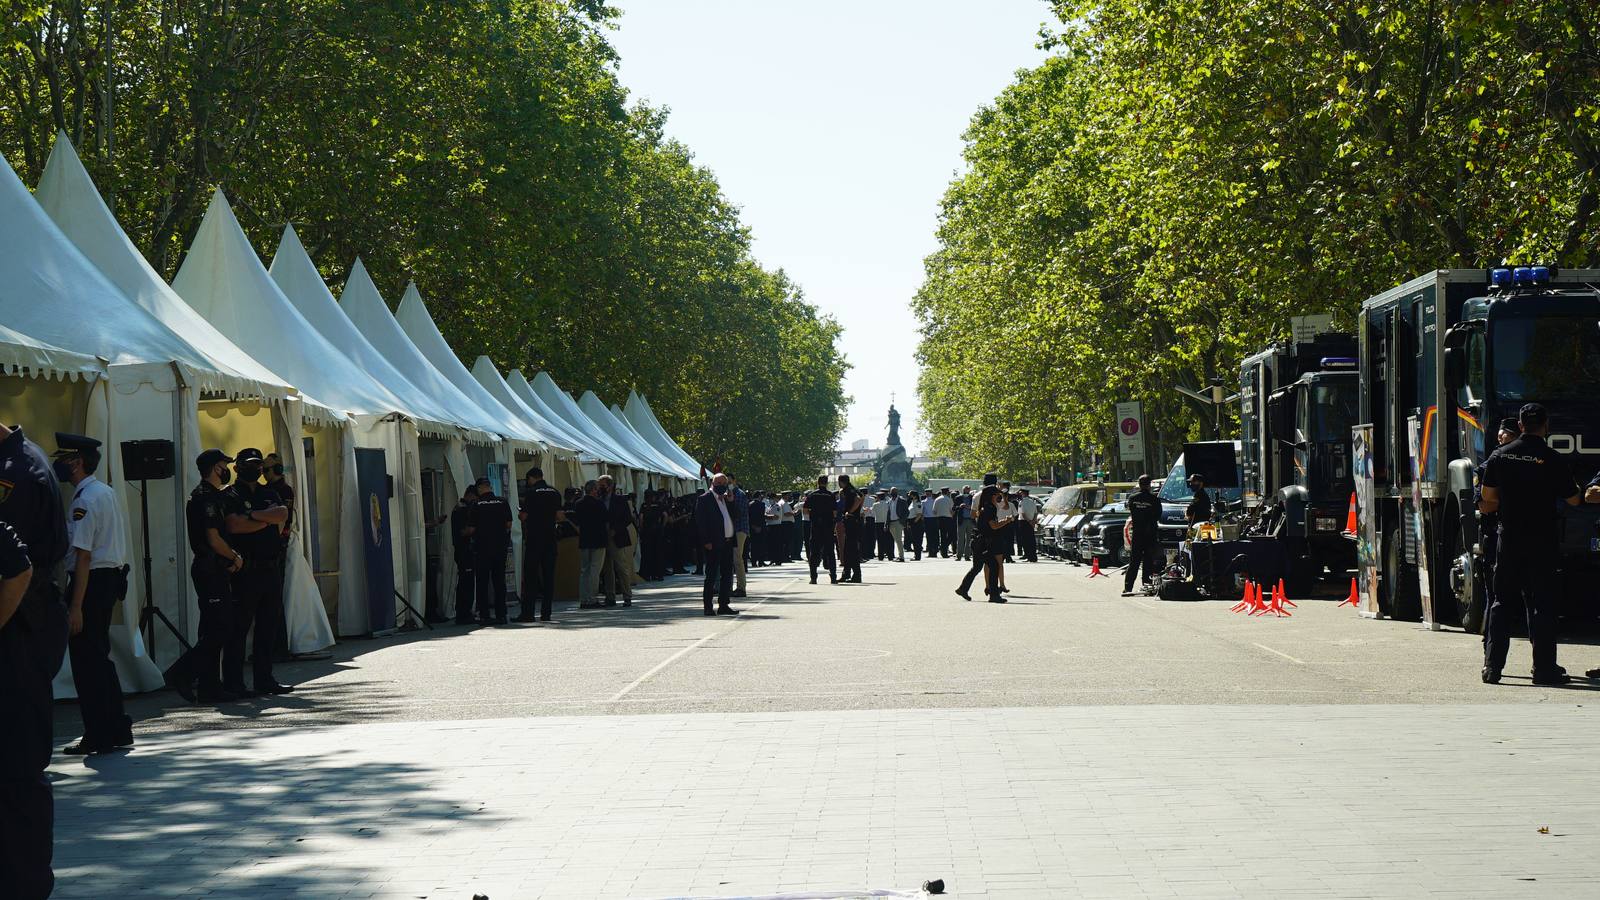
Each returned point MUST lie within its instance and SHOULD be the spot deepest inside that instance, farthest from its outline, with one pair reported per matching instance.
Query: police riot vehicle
(1443, 358)
(1297, 403)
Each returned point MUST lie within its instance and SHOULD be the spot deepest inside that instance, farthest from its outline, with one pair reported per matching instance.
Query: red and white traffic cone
(1355, 596)
(1094, 570)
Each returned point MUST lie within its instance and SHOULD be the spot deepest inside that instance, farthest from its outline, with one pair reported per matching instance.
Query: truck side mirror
(1455, 374)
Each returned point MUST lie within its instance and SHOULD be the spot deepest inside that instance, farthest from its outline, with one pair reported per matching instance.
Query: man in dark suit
(618, 568)
(714, 518)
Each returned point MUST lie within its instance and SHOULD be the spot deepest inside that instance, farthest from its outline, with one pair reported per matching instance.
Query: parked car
(1102, 538)
(1067, 534)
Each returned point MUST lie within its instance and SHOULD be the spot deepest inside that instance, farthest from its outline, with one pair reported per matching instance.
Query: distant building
(857, 462)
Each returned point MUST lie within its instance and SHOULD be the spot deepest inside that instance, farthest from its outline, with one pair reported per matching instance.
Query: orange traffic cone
(1261, 606)
(1094, 570)
(1283, 596)
(1245, 602)
(1350, 517)
(1355, 596)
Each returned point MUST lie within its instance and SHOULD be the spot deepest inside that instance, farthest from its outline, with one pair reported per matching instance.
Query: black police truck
(1443, 358)
(1297, 403)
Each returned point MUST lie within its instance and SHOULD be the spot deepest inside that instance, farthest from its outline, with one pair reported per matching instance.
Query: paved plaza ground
(1071, 743)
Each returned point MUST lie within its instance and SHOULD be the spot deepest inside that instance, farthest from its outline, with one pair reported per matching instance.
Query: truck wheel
(1398, 598)
(1466, 582)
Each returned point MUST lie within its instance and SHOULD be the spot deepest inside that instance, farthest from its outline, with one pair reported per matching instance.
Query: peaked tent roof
(365, 308)
(70, 198)
(419, 326)
(554, 397)
(297, 276)
(596, 447)
(622, 419)
(52, 299)
(643, 419)
(597, 412)
(484, 371)
(223, 278)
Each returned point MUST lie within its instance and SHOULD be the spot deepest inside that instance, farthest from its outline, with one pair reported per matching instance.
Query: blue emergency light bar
(1520, 276)
(1338, 362)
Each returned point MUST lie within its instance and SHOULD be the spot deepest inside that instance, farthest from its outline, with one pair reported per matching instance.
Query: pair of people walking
(989, 546)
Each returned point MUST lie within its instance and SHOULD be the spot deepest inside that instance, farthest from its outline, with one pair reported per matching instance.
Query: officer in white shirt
(98, 565)
(880, 527)
(1027, 521)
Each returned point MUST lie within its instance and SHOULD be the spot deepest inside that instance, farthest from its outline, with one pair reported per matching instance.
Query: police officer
(850, 547)
(491, 541)
(33, 640)
(255, 518)
(215, 563)
(540, 511)
(461, 548)
(97, 532)
(819, 506)
(1199, 507)
(1489, 523)
(1522, 482)
(1144, 512)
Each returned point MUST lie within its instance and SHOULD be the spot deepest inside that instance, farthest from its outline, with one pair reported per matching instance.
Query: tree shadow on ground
(240, 814)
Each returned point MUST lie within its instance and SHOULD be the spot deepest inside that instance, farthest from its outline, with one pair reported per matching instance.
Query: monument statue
(893, 468)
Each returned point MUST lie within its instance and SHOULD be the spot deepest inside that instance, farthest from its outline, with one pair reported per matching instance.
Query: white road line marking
(697, 644)
(1298, 662)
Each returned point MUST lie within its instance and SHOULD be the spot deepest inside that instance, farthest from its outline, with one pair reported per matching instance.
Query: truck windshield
(1176, 488)
(1333, 411)
(1551, 360)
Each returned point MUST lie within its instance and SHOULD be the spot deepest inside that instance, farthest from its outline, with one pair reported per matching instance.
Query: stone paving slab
(1142, 801)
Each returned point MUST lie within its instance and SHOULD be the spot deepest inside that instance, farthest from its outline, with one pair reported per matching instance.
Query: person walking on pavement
(491, 541)
(212, 570)
(33, 641)
(850, 501)
(986, 552)
(1523, 481)
(540, 512)
(714, 524)
(1144, 514)
(461, 548)
(96, 530)
(819, 510)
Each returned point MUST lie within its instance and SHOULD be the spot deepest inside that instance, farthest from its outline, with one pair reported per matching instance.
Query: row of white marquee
(113, 351)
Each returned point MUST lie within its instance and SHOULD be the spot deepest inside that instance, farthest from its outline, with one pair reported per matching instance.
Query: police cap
(483, 482)
(1532, 415)
(73, 444)
(247, 454)
(1509, 425)
(209, 458)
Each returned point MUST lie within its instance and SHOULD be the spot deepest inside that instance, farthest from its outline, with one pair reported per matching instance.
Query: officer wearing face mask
(255, 519)
(215, 562)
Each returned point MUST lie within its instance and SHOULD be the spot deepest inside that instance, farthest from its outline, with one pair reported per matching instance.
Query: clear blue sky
(835, 125)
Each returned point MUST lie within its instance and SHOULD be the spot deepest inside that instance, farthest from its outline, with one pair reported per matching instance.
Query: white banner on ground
(1130, 432)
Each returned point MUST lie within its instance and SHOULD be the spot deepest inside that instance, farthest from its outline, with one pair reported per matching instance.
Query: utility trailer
(1443, 357)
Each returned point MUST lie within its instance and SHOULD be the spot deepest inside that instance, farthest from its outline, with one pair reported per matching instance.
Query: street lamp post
(1215, 396)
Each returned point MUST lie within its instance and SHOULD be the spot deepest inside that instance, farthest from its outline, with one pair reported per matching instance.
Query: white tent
(70, 198)
(222, 278)
(644, 421)
(59, 312)
(684, 472)
(487, 375)
(653, 463)
(596, 450)
(567, 408)
(367, 310)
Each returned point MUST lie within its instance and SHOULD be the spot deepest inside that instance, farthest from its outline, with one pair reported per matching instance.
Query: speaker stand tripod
(150, 612)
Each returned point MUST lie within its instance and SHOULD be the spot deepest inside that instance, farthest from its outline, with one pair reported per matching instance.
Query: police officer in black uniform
(540, 511)
(1489, 523)
(1199, 507)
(33, 641)
(255, 519)
(491, 541)
(1522, 481)
(215, 563)
(1144, 512)
(850, 548)
(461, 548)
(819, 540)
(652, 536)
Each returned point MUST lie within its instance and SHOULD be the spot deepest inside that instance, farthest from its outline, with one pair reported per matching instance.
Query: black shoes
(216, 695)
(963, 594)
(240, 691)
(1552, 679)
(84, 748)
(813, 579)
(738, 593)
(525, 619)
(727, 611)
(710, 611)
(1491, 676)
(184, 686)
(275, 689)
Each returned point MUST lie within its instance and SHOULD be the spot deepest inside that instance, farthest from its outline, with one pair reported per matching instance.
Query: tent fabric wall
(638, 413)
(614, 454)
(460, 471)
(650, 460)
(305, 618)
(565, 441)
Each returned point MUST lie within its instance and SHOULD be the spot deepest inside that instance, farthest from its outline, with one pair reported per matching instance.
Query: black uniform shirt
(1200, 507)
(819, 505)
(30, 500)
(252, 497)
(847, 499)
(653, 514)
(542, 502)
(207, 508)
(285, 495)
(460, 521)
(490, 536)
(1144, 508)
(13, 554)
(1530, 478)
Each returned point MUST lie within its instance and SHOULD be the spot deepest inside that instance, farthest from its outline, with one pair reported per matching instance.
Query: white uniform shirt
(943, 507)
(1029, 508)
(785, 512)
(913, 510)
(95, 523)
(928, 506)
(880, 512)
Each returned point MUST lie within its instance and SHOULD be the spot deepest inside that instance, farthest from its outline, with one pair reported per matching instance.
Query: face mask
(721, 489)
(63, 470)
(223, 475)
(249, 472)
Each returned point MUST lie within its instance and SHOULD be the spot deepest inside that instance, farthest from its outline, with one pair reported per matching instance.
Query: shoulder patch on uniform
(78, 512)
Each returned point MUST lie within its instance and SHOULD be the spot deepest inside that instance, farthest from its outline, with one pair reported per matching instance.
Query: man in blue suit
(715, 518)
